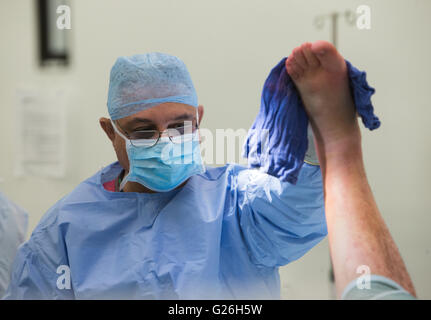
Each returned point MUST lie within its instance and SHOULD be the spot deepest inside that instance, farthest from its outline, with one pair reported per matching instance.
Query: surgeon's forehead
(163, 113)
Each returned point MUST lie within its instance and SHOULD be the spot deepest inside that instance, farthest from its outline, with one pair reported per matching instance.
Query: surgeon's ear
(200, 112)
(107, 127)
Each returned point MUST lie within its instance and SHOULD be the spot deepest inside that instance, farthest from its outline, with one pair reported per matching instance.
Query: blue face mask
(164, 166)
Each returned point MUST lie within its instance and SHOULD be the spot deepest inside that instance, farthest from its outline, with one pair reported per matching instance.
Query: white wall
(229, 47)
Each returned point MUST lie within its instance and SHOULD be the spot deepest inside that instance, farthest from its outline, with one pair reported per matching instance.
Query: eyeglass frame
(124, 132)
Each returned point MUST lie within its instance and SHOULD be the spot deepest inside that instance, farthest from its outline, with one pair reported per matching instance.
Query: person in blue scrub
(13, 229)
(159, 224)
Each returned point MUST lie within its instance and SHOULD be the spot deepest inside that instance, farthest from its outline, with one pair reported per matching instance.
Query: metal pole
(334, 20)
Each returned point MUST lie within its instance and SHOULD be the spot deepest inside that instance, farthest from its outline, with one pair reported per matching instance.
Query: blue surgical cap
(143, 81)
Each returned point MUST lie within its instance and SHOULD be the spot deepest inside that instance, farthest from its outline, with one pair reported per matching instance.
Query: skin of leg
(357, 232)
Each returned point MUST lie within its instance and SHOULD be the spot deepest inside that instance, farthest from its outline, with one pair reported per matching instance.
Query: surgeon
(159, 224)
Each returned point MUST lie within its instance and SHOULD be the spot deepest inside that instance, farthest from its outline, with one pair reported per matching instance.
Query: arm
(34, 270)
(28, 279)
(13, 228)
(279, 221)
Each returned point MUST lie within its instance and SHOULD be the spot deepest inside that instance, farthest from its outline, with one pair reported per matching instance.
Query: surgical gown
(223, 235)
(13, 229)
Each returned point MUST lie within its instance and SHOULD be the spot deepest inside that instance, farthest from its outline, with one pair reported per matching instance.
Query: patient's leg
(357, 232)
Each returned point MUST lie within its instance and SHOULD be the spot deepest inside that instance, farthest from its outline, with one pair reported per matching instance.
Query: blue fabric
(142, 81)
(223, 235)
(13, 229)
(282, 119)
(164, 166)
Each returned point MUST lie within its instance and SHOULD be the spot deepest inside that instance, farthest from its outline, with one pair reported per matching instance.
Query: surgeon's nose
(164, 133)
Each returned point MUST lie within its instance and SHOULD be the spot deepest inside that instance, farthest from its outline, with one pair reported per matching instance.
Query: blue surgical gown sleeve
(13, 229)
(34, 271)
(280, 221)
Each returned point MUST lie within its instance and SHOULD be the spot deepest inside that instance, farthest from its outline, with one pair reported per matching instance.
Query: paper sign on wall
(41, 135)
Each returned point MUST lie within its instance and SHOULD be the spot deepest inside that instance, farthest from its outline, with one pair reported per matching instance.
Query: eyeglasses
(149, 138)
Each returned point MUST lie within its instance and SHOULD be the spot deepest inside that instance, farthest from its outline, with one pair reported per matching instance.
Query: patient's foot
(320, 74)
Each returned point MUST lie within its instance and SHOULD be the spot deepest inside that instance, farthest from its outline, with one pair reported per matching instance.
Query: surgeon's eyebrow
(134, 121)
(184, 116)
(138, 120)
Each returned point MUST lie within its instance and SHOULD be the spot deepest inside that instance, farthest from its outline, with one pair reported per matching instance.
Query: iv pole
(319, 22)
